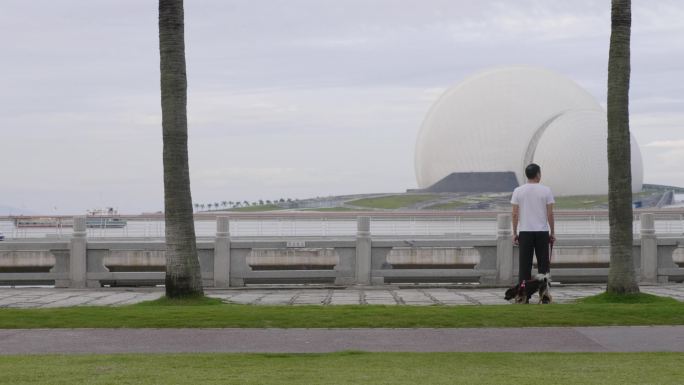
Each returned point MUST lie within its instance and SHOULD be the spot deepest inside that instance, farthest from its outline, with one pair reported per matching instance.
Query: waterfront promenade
(321, 340)
(426, 296)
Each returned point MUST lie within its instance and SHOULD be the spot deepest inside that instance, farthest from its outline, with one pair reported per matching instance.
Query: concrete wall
(364, 259)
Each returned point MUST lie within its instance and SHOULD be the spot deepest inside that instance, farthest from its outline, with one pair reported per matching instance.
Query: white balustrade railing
(483, 224)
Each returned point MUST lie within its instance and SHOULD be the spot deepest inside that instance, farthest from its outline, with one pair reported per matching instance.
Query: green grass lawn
(327, 209)
(392, 201)
(460, 203)
(586, 202)
(453, 205)
(345, 368)
(213, 314)
(580, 202)
(637, 298)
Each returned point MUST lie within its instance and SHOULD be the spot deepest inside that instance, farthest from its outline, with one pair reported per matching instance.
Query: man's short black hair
(532, 171)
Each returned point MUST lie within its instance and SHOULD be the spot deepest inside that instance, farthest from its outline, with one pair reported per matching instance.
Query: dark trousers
(531, 243)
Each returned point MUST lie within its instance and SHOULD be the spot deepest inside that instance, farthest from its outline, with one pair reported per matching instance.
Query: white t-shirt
(532, 199)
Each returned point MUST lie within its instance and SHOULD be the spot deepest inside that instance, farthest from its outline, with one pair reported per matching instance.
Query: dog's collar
(521, 288)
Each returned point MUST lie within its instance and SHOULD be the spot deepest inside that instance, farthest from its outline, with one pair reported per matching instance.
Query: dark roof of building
(475, 182)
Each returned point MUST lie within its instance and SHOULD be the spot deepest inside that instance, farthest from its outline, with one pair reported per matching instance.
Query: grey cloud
(292, 82)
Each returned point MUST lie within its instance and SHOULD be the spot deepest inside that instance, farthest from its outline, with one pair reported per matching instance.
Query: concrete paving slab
(67, 302)
(113, 299)
(138, 299)
(42, 297)
(309, 301)
(246, 298)
(450, 298)
(275, 299)
(345, 298)
(410, 297)
(23, 305)
(380, 298)
(314, 297)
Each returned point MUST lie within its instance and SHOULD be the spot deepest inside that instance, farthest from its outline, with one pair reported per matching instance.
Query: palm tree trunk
(622, 277)
(182, 263)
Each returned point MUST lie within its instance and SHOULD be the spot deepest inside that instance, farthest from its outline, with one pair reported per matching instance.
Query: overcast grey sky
(292, 98)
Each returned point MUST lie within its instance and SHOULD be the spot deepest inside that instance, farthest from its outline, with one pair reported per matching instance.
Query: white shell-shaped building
(503, 119)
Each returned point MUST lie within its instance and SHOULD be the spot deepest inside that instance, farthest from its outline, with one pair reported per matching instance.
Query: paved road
(104, 341)
(47, 297)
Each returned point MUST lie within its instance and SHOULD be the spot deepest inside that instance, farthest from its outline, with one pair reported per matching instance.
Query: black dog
(522, 292)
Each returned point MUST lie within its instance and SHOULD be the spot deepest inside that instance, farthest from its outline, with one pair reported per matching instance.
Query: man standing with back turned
(533, 210)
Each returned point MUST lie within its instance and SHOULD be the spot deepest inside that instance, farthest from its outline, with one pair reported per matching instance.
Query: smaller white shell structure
(503, 119)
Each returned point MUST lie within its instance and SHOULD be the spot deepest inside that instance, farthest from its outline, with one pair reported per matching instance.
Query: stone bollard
(649, 249)
(363, 251)
(504, 250)
(222, 253)
(78, 249)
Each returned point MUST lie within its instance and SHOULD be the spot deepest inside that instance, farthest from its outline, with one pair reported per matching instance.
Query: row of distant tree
(238, 204)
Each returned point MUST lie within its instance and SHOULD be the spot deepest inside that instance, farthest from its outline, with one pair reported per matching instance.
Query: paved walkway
(108, 341)
(552, 339)
(47, 297)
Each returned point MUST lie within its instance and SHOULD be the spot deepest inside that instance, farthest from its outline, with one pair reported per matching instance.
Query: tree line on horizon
(238, 204)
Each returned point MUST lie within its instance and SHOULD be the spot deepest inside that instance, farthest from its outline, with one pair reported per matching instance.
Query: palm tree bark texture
(622, 277)
(182, 263)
